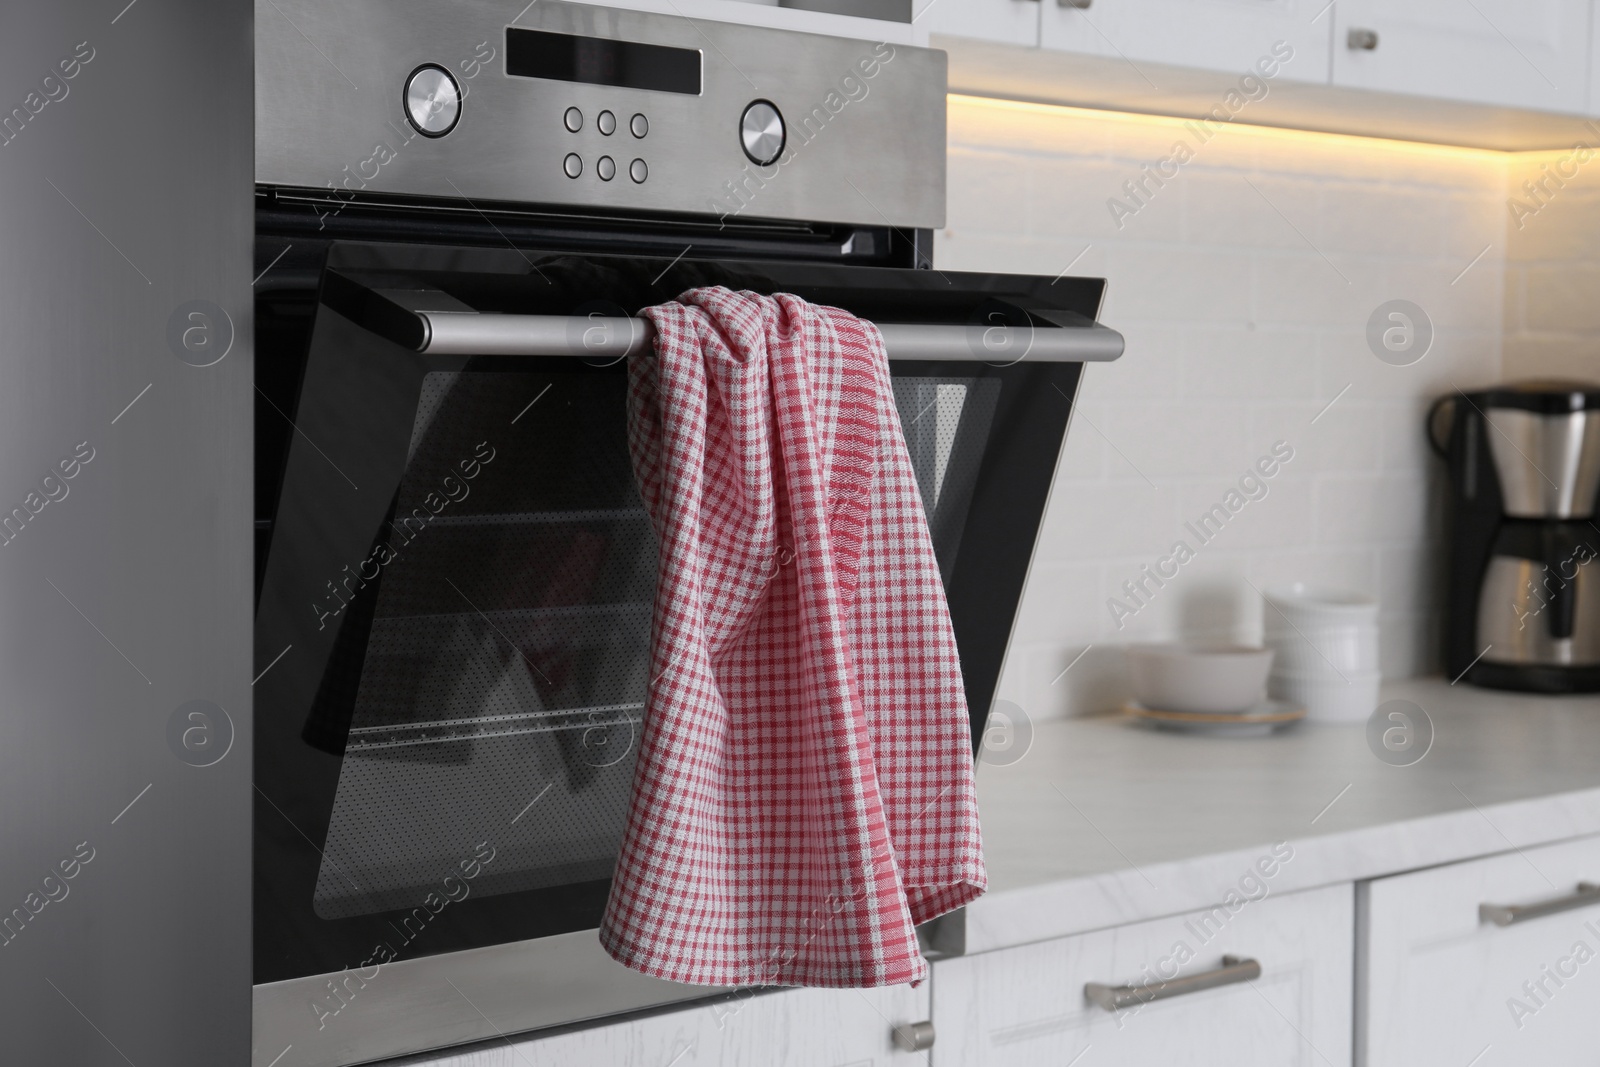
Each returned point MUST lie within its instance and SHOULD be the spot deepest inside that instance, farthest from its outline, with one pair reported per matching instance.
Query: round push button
(639, 125)
(573, 119)
(606, 122)
(638, 171)
(762, 133)
(573, 165)
(432, 100)
(606, 167)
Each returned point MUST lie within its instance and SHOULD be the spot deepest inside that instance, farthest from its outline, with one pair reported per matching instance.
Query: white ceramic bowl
(1198, 679)
(1327, 697)
(1310, 605)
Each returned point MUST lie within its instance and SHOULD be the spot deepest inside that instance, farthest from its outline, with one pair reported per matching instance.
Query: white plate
(1256, 721)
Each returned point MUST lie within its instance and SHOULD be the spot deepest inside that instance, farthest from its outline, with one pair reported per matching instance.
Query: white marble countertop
(1103, 822)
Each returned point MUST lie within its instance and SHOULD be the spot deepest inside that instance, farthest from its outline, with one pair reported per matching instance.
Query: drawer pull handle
(913, 1037)
(1115, 998)
(1505, 914)
(1362, 40)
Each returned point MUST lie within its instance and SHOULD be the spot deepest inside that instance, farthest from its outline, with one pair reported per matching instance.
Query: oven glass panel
(503, 678)
(946, 423)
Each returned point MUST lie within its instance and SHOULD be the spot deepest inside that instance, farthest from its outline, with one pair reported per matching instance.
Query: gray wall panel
(121, 199)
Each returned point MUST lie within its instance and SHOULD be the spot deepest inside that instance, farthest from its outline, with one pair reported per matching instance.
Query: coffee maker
(1522, 587)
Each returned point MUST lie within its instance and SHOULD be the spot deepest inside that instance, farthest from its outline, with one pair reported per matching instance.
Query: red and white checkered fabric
(804, 795)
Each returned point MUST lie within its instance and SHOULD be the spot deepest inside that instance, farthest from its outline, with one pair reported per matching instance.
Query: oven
(454, 569)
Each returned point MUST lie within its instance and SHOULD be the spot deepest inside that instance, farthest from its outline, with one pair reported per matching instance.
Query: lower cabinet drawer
(793, 1028)
(1446, 983)
(1028, 1006)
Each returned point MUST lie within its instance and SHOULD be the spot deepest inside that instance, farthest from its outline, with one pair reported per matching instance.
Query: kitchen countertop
(1102, 822)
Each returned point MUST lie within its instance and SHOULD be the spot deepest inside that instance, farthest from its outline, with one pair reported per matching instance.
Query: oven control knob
(433, 100)
(762, 133)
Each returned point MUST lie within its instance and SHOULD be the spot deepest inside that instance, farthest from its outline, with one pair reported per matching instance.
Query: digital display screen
(602, 61)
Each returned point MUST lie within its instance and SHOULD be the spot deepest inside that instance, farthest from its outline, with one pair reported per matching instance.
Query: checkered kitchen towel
(803, 795)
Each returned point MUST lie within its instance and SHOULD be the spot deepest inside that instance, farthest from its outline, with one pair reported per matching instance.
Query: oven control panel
(596, 107)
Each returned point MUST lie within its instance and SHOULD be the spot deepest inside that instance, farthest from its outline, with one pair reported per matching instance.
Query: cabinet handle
(1506, 914)
(1115, 998)
(913, 1037)
(1365, 40)
(1081, 5)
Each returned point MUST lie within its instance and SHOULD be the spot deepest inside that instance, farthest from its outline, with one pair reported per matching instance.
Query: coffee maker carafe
(1522, 587)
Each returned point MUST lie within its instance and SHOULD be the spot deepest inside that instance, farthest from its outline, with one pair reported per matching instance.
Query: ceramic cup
(1326, 642)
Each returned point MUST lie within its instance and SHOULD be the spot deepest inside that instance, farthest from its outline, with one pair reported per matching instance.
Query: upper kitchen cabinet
(1004, 21)
(1512, 53)
(1221, 35)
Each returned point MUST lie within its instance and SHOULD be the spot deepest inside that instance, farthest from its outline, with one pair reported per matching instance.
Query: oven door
(454, 616)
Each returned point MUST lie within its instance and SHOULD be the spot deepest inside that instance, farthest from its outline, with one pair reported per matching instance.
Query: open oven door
(458, 578)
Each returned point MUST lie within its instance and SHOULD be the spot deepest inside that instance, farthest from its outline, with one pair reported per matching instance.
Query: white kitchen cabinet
(1006, 21)
(1442, 985)
(1513, 53)
(1222, 35)
(793, 1028)
(1026, 1007)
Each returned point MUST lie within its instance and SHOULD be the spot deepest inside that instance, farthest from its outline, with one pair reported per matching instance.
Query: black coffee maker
(1522, 585)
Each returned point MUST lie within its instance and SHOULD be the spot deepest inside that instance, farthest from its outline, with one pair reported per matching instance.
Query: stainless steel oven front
(454, 570)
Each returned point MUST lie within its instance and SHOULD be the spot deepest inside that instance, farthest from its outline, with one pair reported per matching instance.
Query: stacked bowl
(1326, 651)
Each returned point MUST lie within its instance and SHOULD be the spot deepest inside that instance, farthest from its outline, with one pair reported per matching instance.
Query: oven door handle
(433, 322)
(603, 337)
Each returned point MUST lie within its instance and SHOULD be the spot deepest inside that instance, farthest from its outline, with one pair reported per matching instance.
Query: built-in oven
(454, 567)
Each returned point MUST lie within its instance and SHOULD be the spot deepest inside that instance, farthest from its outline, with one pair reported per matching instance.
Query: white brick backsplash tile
(984, 190)
(1223, 210)
(1562, 297)
(1407, 645)
(1405, 439)
(1473, 220)
(1279, 518)
(1149, 141)
(1239, 364)
(1567, 230)
(1338, 567)
(1246, 311)
(1553, 356)
(1060, 605)
(1409, 577)
(1512, 306)
(1384, 220)
(1106, 520)
(1341, 439)
(1047, 684)
(1208, 602)
(1300, 288)
(1155, 217)
(1455, 361)
(1174, 283)
(1170, 439)
(1370, 508)
(1066, 198)
(1455, 301)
